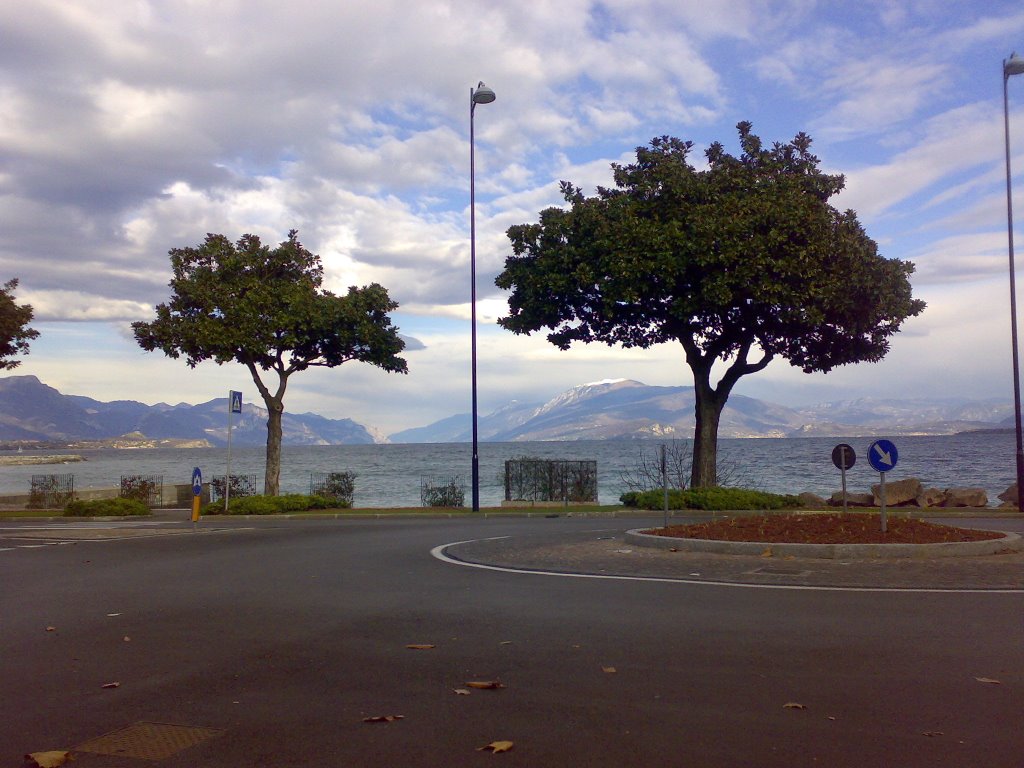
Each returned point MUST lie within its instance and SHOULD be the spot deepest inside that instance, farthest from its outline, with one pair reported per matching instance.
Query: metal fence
(149, 489)
(550, 480)
(51, 491)
(241, 485)
(340, 486)
(446, 491)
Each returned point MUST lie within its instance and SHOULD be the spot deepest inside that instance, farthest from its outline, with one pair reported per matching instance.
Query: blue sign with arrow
(197, 482)
(882, 455)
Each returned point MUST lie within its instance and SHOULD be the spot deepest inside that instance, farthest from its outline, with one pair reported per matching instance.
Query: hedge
(710, 499)
(274, 505)
(119, 507)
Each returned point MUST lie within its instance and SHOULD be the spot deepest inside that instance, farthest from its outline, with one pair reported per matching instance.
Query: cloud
(130, 129)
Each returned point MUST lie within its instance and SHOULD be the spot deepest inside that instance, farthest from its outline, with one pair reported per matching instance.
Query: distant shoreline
(17, 460)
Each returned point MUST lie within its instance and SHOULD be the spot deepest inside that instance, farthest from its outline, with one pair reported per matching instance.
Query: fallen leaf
(127, 639)
(111, 685)
(50, 759)
(461, 692)
(932, 733)
(485, 685)
(496, 747)
(793, 705)
(767, 552)
(988, 680)
(830, 717)
(609, 670)
(420, 647)
(505, 642)
(383, 718)
(113, 614)
(673, 549)
(51, 629)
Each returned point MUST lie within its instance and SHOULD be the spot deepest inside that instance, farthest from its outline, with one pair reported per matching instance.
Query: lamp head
(484, 95)
(1013, 65)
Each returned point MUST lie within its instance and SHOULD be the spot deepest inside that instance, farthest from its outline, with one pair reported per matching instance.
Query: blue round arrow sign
(882, 455)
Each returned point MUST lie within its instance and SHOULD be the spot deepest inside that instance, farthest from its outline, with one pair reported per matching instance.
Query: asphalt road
(282, 637)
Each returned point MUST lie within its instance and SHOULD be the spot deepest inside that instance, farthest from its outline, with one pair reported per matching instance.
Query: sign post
(844, 457)
(882, 455)
(234, 406)
(197, 492)
(664, 482)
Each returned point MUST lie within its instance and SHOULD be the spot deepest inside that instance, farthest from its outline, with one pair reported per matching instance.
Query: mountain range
(623, 409)
(31, 411)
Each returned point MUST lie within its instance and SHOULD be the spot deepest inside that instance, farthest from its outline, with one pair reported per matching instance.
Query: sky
(130, 128)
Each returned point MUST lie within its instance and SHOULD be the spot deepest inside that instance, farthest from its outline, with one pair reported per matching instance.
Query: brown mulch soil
(848, 528)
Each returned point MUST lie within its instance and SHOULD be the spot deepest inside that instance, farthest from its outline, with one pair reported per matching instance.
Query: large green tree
(14, 331)
(741, 262)
(264, 308)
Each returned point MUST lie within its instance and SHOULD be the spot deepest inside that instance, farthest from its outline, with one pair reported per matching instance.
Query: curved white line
(439, 553)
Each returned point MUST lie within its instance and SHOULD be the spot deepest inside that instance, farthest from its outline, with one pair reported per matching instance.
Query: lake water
(390, 475)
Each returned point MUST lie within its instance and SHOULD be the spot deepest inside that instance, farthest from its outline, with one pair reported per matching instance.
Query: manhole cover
(149, 741)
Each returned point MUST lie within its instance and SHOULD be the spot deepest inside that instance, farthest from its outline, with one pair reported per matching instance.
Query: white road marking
(439, 553)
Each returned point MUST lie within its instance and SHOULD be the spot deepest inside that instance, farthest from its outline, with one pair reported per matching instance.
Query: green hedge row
(274, 505)
(106, 508)
(711, 499)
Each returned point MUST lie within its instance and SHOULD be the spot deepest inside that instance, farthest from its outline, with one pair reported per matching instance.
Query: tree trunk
(275, 410)
(708, 411)
(272, 473)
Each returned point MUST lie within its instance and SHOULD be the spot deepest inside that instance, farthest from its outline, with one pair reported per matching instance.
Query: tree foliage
(14, 331)
(743, 262)
(265, 308)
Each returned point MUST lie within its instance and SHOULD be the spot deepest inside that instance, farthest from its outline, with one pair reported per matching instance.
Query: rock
(812, 501)
(1009, 496)
(897, 492)
(965, 497)
(930, 497)
(852, 499)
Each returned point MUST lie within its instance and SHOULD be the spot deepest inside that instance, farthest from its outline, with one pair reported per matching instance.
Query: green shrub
(105, 508)
(630, 498)
(711, 499)
(274, 505)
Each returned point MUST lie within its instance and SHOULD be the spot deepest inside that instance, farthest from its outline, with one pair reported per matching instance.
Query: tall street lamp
(1013, 66)
(479, 95)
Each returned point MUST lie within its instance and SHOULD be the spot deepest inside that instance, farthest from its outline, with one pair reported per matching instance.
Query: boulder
(929, 497)
(1009, 496)
(965, 497)
(812, 501)
(897, 492)
(852, 499)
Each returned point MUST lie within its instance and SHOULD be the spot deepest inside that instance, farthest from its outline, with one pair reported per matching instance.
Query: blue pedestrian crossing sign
(882, 455)
(235, 399)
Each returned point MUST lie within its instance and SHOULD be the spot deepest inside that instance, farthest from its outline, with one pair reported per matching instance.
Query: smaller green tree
(265, 308)
(14, 331)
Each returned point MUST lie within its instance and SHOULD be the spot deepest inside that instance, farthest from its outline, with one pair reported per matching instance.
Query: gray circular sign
(843, 456)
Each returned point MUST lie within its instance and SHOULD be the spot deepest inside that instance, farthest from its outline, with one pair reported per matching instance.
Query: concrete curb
(1011, 542)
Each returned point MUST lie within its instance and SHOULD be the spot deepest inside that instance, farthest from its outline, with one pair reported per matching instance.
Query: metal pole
(842, 453)
(664, 482)
(227, 479)
(881, 493)
(472, 299)
(1013, 299)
